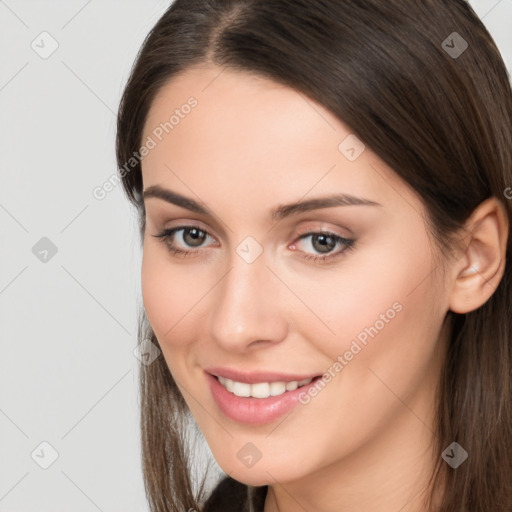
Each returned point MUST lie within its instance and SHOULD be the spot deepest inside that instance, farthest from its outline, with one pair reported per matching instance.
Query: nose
(248, 308)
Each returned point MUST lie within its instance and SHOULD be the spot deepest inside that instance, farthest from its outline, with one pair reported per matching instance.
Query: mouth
(258, 402)
(262, 389)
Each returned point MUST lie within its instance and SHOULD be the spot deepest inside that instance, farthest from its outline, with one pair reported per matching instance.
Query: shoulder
(232, 496)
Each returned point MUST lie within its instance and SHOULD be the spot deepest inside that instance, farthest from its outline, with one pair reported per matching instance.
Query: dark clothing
(232, 496)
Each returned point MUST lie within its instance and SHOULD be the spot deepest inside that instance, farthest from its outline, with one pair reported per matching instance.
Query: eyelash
(166, 235)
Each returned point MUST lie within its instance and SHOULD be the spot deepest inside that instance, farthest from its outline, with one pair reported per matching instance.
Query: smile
(259, 402)
(261, 389)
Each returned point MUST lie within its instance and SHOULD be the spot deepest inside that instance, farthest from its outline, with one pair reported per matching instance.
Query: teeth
(261, 389)
(277, 388)
(292, 385)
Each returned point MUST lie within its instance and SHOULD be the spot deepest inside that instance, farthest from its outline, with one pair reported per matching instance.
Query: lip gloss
(254, 411)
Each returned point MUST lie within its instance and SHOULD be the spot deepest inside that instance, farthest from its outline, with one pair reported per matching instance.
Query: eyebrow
(277, 214)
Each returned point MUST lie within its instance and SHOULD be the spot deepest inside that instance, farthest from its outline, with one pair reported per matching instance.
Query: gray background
(68, 372)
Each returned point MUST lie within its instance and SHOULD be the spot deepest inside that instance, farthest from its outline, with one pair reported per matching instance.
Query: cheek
(377, 296)
(165, 296)
(171, 293)
(368, 284)
(153, 291)
(160, 293)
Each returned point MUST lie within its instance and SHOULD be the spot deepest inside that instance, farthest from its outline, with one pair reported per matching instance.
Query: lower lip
(254, 411)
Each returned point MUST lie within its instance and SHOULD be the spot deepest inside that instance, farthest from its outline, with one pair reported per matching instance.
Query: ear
(480, 267)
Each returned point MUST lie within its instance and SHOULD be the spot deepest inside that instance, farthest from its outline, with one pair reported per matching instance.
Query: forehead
(245, 107)
(251, 135)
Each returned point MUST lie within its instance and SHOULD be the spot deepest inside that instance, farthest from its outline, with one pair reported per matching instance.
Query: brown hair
(442, 122)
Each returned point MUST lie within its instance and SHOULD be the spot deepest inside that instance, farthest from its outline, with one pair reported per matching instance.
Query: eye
(324, 242)
(191, 237)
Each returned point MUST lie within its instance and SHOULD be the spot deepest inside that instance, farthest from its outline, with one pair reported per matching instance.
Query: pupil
(196, 235)
(327, 241)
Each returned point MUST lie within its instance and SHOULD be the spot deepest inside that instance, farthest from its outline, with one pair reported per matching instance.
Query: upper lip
(258, 376)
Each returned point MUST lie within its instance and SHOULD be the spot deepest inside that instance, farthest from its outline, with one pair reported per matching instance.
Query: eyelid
(188, 223)
(313, 226)
(320, 227)
(183, 227)
(164, 218)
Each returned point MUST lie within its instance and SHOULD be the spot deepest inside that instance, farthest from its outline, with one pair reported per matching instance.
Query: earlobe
(480, 269)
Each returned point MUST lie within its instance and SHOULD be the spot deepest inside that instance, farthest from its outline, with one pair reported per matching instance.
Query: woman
(322, 193)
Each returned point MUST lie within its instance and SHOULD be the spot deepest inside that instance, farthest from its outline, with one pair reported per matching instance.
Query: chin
(262, 472)
(249, 477)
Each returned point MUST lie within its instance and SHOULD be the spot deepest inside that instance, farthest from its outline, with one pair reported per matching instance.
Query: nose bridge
(246, 302)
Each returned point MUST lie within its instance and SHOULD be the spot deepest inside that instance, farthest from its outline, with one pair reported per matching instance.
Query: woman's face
(248, 297)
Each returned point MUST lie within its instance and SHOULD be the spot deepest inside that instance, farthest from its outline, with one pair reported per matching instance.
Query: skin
(364, 442)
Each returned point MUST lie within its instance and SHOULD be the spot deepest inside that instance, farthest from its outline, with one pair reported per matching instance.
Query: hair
(444, 125)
